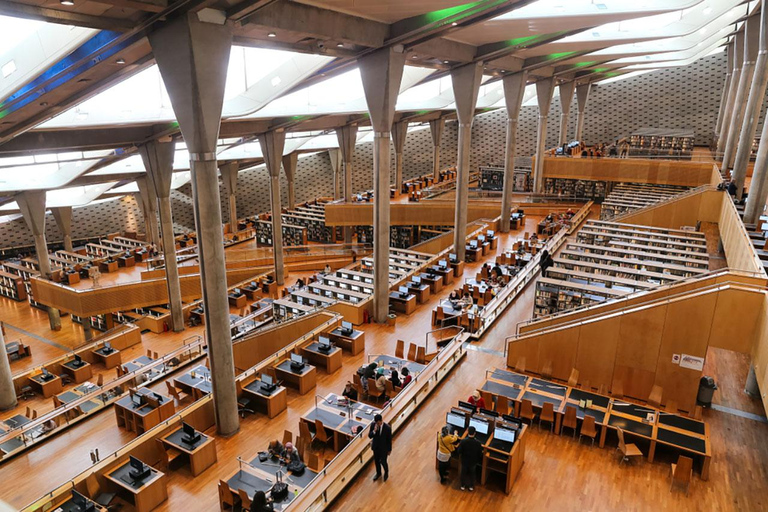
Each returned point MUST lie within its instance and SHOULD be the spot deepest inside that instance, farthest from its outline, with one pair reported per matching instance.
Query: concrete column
(290, 161)
(544, 88)
(381, 72)
(466, 86)
(514, 88)
(32, 206)
(753, 108)
(399, 133)
(566, 97)
(7, 391)
(63, 217)
(347, 136)
(229, 180)
(758, 186)
(158, 163)
(193, 57)
(436, 127)
(582, 95)
(752, 36)
(272, 144)
(738, 57)
(87, 330)
(149, 210)
(336, 165)
(724, 94)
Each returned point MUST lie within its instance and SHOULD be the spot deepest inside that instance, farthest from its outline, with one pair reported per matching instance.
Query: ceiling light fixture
(271, 34)
(340, 45)
(454, 24)
(8, 68)
(68, 3)
(44, 104)
(120, 61)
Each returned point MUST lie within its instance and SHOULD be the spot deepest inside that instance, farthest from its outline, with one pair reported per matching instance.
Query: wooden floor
(558, 474)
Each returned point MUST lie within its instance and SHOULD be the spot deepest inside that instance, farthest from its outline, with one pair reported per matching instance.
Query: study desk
(304, 381)
(354, 343)
(421, 291)
(251, 481)
(251, 291)
(274, 403)
(334, 413)
(387, 362)
(269, 467)
(126, 261)
(330, 360)
(48, 387)
(201, 454)
(109, 358)
(142, 418)
(66, 504)
(400, 304)
(16, 421)
(139, 362)
(147, 495)
(237, 300)
(107, 267)
(434, 281)
(79, 373)
(445, 272)
(504, 457)
(200, 383)
(458, 268)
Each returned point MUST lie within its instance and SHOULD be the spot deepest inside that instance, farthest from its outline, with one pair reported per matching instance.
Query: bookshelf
(12, 286)
(626, 197)
(649, 142)
(292, 235)
(587, 189)
(492, 178)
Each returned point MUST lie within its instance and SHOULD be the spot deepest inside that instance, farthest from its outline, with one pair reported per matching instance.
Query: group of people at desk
(379, 375)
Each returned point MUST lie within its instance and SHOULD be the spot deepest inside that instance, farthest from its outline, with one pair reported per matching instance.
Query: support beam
(399, 133)
(336, 165)
(582, 96)
(566, 98)
(758, 187)
(63, 217)
(753, 108)
(48, 15)
(738, 58)
(193, 57)
(290, 161)
(466, 86)
(724, 94)
(32, 206)
(436, 127)
(382, 73)
(751, 39)
(7, 391)
(514, 89)
(229, 179)
(544, 89)
(148, 202)
(272, 144)
(347, 136)
(158, 163)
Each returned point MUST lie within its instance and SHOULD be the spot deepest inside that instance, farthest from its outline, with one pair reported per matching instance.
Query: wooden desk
(66, 504)
(434, 281)
(237, 301)
(304, 381)
(274, 403)
(445, 272)
(151, 493)
(458, 268)
(199, 384)
(421, 292)
(354, 343)
(202, 454)
(331, 360)
(107, 267)
(251, 291)
(140, 419)
(403, 305)
(126, 261)
(334, 414)
(78, 373)
(47, 387)
(507, 462)
(472, 252)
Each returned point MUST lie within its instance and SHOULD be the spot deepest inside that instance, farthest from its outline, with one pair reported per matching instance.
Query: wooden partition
(636, 346)
(630, 170)
(426, 213)
(760, 352)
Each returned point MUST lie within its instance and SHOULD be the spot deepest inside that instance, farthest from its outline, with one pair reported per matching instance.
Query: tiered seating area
(627, 197)
(609, 260)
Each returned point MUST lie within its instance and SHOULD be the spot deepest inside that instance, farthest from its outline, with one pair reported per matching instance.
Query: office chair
(244, 407)
(681, 473)
(26, 393)
(65, 378)
(628, 451)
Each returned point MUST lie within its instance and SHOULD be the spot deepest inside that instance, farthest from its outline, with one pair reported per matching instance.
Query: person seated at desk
(454, 296)
(407, 377)
(235, 238)
(368, 373)
(300, 283)
(275, 448)
(327, 269)
(534, 238)
(395, 378)
(290, 454)
(486, 269)
(477, 400)
(350, 391)
(260, 503)
(381, 383)
(48, 426)
(466, 300)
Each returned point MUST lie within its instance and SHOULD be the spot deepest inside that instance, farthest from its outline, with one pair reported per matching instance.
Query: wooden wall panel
(598, 342)
(736, 318)
(559, 352)
(638, 349)
(636, 170)
(430, 213)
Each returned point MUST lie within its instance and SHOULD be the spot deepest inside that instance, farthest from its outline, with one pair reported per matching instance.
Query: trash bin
(391, 319)
(707, 388)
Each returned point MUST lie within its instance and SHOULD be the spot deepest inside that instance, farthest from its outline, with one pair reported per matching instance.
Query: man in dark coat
(471, 452)
(381, 444)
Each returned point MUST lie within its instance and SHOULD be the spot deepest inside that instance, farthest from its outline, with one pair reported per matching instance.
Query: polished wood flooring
(558, 473)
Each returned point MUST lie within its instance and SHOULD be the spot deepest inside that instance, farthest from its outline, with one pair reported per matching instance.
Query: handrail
(669, 200)
(457, 329)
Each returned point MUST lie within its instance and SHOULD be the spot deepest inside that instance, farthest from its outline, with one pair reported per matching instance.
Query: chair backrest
(655, 397)
(371, 385)
(225, 494)
(488, 399)
(34, 414)
(421, 355)
(390, 388)
(573, 380)
(622, 446)
(100, 380)
(547, 411)
(304, 432)
(164, 460)
(570, 416)
(172, 390)
(683, 470)
(245, 500)
(411, 352)
(56, 402)
(546, 369)
(400, 349)
(526, 408)
(149, 353)
(588, 426)
(320, 433)
(287, 437)
(92, 485)
(29, 412)
(502, 405)
(314, 462)
(697, 412)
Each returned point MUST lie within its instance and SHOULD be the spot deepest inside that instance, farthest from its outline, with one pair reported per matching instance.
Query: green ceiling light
(520, 41)
(600, 70)
(559, 55)
(460, 12)
(585, 64)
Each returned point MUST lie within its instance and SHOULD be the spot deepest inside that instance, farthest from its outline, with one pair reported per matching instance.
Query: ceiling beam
(148, 6)
(241, 10)
(49, 141)
(34, 12)
(97, 179)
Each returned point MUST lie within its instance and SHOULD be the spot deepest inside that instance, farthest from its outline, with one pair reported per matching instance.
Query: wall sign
(692, 362)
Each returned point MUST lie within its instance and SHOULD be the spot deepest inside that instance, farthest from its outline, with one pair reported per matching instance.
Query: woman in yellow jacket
(446, 444)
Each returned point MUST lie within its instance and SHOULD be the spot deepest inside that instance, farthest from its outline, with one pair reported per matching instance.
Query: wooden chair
(520, 365)
(167, 454)
(390, 389)
(573, 380)
(373, 392)
(287, 437)
(400, 349)
(305, 433)
(94, 491)
(488, 399)
(314, 462)
(227, 500)
(421, 355)
(617, 389)
(321, 436)
(588, 429)
(671, 407)
(34, 414)
(245, 500)
(570, 420)
(155, 356)
(411, 352)
(681, 473)
(654, 399)
(358, 383)
(628, 451)
(526, 411)
(502, 405)
(28, 414)
(548, 414)
(175, 393)
(100, 380)
(149, 353)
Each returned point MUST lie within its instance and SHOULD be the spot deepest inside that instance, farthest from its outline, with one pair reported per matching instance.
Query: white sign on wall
(692, 362)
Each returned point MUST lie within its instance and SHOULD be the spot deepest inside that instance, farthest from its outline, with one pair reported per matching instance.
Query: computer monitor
(491, 233)
(107, 346)
(324, 340)
(237, 291)
(137, 399)
(191, 436)
(82, 503)
(253, 284)
(78, 360)
(157, 397)
(417, 280)
(266, 379)
(456, 420)
(329, 293)
(46, 374)
(452, 257)
(511, 419)
(403, 290)
(355, 277)
(480, 238)
(346, 327)
(139, 470)
(467, 407)
(481, 426)
(473, 244)
(296, 358)
(504, 434)
(492, 414)
(442, 263)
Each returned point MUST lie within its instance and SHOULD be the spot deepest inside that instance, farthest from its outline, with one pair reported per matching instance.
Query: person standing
(446, 444)
(471, 452)
(381, 444)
